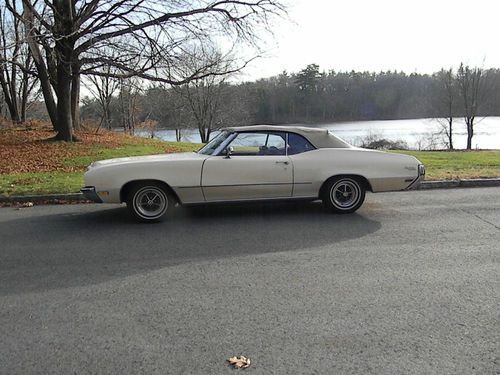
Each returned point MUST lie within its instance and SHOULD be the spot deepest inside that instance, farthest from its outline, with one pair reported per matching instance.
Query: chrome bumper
(416, 182)
(90, 193)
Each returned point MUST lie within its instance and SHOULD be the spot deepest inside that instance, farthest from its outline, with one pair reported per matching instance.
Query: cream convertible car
(252, 163)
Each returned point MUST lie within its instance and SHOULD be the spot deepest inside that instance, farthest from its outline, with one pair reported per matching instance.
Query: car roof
(319, 138)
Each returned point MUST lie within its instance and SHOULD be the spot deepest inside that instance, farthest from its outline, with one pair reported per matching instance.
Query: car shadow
(88, 245)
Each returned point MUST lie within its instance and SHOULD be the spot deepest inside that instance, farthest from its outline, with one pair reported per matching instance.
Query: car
(252, 163)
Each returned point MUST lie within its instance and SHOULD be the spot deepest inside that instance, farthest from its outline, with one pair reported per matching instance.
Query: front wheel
(343, 194)
(149, 202)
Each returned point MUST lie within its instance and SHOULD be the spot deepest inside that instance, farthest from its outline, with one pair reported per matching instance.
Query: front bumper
(90, 193)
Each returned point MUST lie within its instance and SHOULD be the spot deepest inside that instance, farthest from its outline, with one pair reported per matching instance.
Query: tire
(343, 195)
(149, 202)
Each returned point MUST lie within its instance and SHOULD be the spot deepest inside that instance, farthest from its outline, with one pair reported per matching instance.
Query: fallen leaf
(239, 362)
(25, 205)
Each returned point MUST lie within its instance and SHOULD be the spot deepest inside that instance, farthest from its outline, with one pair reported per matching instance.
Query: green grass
(439, 165)
(70, 182)
(40, 183)
(445, 165)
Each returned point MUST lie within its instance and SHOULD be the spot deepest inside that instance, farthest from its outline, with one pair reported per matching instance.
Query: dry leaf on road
(239, 362)
(25, 205)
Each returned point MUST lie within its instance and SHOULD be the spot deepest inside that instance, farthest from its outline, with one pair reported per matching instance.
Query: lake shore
(419, 134)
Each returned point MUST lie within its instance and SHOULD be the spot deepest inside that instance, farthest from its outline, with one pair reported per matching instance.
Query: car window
(259, 144)
(211, 146)
(298, 144)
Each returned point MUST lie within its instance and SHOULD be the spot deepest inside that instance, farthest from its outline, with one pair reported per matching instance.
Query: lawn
(31, 165)
(447, 165)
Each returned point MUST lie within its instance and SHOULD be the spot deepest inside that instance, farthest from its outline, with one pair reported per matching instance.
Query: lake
(417, 133)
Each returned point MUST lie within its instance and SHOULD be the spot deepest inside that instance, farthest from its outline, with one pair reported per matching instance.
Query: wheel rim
(150, 202)
(345, 194)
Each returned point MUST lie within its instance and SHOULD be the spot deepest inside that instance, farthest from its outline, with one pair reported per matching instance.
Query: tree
(204, 97)
(471, 84)
(103, 87)
(17, 78)
(169, 108)
(149, 39)
(128, 97)
(446, 101)
(307, 82)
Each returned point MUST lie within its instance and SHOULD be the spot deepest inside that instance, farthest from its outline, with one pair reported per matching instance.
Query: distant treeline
(309, 96)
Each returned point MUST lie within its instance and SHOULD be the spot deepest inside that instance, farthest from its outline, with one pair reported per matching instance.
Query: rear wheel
(343, 194)
(149, 202)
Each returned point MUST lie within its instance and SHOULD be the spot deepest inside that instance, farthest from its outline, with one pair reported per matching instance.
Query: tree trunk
(203, 134)
(63, 90)
(24, 98)
(470, 133)
(64, 113)
(75, 97)
(41, 68)
(450, 133)
(107, 122)
(14, 115)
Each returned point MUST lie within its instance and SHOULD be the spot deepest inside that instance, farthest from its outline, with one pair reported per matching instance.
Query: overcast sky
(413, 36)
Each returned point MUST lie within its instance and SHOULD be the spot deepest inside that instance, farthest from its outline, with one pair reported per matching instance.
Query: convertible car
(251, 163)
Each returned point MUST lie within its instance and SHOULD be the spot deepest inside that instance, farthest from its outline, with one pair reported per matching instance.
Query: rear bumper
(90, 193)
(416, 182)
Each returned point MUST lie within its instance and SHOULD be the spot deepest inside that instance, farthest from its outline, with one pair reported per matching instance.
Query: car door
(258, 168)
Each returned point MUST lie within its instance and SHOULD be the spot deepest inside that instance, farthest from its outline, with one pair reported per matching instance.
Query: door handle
(282, 162)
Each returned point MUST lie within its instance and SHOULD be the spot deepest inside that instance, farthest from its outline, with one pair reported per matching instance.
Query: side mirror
(229, 151)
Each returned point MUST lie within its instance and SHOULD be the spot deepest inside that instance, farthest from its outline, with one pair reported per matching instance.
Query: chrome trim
(223, 145)
(414, 183)
(249, 200)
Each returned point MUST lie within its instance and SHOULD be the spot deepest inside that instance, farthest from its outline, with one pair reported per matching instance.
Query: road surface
(410, 284)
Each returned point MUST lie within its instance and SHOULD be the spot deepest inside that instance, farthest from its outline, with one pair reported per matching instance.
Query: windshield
(214, 144)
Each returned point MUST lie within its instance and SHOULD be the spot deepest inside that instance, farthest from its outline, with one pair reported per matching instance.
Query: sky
(379, 35)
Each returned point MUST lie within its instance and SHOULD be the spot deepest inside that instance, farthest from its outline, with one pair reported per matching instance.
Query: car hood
(183, 156)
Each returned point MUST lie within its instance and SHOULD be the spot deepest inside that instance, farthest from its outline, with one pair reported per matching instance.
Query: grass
(33, 183)
(150, 148)
(30, 165)
(447, 165)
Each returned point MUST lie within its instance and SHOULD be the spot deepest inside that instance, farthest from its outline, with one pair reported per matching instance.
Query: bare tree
(130, 91)
(472, 86)
(151, 38)
(168, 107)
(204, 97)
(17, 76)
(447, 100)
(103, 87)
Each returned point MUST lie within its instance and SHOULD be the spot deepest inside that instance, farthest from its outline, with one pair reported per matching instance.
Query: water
(417, 133)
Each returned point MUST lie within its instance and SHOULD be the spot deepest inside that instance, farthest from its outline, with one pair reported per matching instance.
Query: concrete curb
(79, 198)
(450, 184)
(45, 198)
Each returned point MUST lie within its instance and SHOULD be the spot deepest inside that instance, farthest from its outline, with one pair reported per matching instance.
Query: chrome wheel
(150, 202)
(345, 194)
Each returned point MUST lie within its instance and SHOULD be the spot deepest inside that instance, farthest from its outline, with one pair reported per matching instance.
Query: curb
(46, 198)
(79, 198)
(451, 184)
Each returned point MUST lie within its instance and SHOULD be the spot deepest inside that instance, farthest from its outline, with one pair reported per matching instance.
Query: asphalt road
(408, 285)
